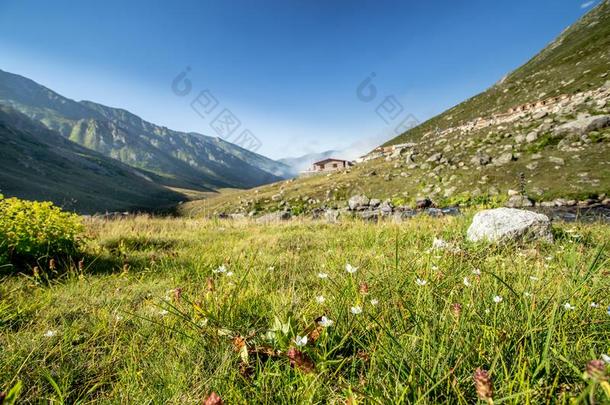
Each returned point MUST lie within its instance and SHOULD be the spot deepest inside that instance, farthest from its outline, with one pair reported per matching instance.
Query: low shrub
(31, 230)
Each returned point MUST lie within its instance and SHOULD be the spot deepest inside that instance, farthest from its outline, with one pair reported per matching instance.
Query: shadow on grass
(138, 244)
(55, 268)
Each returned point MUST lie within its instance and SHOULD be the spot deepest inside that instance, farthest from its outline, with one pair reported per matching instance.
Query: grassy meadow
(168, 310)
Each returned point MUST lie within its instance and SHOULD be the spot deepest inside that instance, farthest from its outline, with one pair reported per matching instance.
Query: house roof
(329, 160)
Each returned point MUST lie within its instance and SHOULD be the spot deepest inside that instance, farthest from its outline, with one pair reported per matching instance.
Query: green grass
(114, 342)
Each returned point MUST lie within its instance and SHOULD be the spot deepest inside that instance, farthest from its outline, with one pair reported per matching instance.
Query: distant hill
(179, 159)
(39, 164)
(298, 164)
(543, 130)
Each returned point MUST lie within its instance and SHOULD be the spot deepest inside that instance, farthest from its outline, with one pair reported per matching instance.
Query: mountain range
(39, 164)
(174, 159)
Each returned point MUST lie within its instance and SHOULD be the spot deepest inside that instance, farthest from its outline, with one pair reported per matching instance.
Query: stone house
(330, 164)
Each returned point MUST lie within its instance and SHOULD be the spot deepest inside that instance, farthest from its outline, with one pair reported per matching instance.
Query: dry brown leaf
(238, 343)
(213, 399)
(300, 360)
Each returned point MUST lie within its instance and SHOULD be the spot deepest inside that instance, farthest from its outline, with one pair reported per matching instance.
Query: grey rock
(518, 201)
(331, 216)
(556, 160)
(386, 207)
(276, 216)
(435, 157)
(405, 213)
(371, 215)
(587, 202)
(531, 137)
(375, 202)
(358, 201)
(481, 159)
(509, 224)
(540, 115)
(503, 158)
(583, 125)
(421, 203)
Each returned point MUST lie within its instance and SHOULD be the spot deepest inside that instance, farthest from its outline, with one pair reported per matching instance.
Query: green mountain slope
(544, 130)
(576, 61)
(186, 160)
(39, 164)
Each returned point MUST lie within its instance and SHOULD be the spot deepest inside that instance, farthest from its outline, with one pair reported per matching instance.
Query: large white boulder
(509, 224)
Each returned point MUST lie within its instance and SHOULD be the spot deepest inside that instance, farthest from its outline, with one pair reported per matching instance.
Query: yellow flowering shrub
(32, 230)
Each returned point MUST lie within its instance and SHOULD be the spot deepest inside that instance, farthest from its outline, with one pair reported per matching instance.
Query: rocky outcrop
(583, 126)
(358, 202)
(509, 224)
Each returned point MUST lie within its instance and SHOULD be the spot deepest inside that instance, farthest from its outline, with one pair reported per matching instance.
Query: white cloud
(587, 4)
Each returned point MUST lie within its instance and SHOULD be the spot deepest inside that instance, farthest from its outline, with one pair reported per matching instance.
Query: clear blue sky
(287, 69)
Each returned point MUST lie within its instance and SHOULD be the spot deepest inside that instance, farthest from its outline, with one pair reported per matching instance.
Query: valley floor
(169, 310)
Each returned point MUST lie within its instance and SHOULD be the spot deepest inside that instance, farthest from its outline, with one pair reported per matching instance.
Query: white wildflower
(467, 282)
(325, 322)
(374, 302)
(421, 282)
(322, 275)
(476, 272)
(50, 333)
(163, 312)
(350, 269)
(594, 305)
(229, 274)
(220, 269)
(498, 299)
(568, 307)
(534, 278)
(320, 299)
(301, 340)
(356, 310)
(438, 243)
(606, 358)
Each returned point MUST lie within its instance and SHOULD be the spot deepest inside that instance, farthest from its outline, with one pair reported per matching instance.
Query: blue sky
(288, 70)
